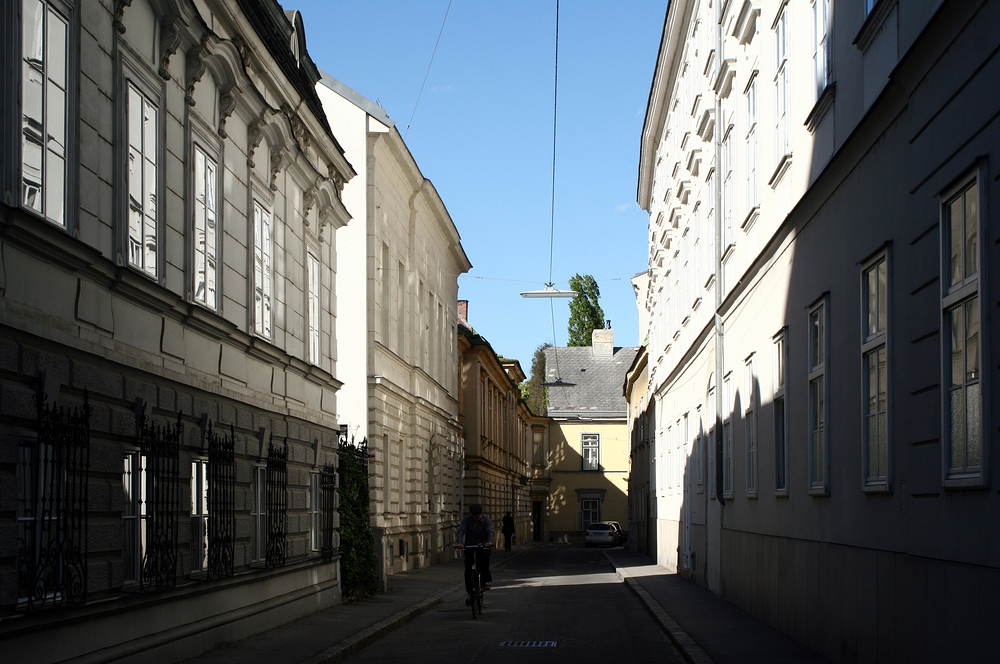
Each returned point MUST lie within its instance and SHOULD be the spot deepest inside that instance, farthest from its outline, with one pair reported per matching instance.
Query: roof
(594, 389)
(367, 105)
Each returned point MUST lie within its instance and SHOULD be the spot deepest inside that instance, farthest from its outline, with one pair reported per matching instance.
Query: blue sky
(482, 133)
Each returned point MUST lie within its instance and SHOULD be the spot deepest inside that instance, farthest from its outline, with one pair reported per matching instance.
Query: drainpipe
(713, 572)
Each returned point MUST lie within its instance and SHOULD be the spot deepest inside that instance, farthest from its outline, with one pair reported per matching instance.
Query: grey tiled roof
(596, 390)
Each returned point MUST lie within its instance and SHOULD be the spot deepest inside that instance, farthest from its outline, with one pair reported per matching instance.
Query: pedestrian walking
(508, 531)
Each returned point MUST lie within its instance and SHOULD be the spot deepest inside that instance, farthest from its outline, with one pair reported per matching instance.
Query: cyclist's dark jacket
(471, 531)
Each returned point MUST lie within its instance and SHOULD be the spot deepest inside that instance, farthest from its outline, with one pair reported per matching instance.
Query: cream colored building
(819, 178)
(588, 436)
(397, 294)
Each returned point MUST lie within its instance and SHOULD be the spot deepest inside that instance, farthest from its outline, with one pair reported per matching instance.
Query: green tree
(533, 390)
(585, 313)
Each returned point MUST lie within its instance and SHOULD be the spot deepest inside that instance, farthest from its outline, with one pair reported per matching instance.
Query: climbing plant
(358, 562)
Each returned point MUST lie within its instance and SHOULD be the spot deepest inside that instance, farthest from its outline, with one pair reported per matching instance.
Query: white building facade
(818, 176)
(397, 295)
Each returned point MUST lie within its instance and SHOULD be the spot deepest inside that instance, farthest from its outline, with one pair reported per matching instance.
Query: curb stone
(688, 647)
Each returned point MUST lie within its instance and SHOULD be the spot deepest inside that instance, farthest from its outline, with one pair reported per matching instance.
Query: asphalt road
(564, 594)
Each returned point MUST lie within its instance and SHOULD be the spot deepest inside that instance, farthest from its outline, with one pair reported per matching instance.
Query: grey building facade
(168, 429)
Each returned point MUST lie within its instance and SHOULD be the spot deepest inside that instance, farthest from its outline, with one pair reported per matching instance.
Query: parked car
(622, 534)
(601, 533)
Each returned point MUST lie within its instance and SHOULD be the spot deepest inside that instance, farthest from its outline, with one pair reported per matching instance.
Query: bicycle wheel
(477, 593)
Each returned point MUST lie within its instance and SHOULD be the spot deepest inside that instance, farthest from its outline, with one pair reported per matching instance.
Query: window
(750, 427)
(822, 45)
(262, 270)
(44, 108)
(590, 512)
(591, 451)
(700, 448)
(961, 312)
(313, 279)
(727, 437)
(134, 514)
(874, 294)
(315, 512)
(752, 184)
(728, 185)
(782, 125)
(199, 515)
(780, 414)
(258, 514)
(143, 182)
(817, 399)
(205, 227)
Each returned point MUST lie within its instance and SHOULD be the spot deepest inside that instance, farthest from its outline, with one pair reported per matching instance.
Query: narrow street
(569, 595)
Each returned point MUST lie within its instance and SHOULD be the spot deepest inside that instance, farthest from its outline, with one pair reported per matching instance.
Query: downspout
(719, 331)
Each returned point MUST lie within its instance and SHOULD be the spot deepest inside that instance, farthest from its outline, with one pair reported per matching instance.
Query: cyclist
(476, 528)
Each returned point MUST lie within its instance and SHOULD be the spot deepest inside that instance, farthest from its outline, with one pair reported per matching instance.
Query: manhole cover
(528, 644)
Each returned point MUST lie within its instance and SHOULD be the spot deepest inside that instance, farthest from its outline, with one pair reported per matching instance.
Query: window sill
(820, 492)
(821, 107)
(877, 488)
(965, 482)
(751, 217)
(781, 493)
(783, 165)
(873, 24)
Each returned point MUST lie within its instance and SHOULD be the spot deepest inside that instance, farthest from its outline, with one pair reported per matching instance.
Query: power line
(428, 70)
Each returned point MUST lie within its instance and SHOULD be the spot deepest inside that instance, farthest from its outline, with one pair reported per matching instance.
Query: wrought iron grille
(159, 445)
(52, 517)
(221, 502)
(328, 507)
(276, 497)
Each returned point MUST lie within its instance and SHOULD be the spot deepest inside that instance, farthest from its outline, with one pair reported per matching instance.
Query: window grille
(221, 502)
(159, 445)
(328, 493)
(276, 502)
(52, 515)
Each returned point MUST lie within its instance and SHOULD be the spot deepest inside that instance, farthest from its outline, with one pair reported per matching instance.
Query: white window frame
(818, 430)
(141, 223)
(782, 113)
(262, 259)
(728, 189)
(44, 134)
(315, 511)
(752, 151)
(590, 451)
(876, 451)
(965, 291)
(822, 43)
(699, 447)
(258, 513)
(751, 445)
(206, 222)
(780, 407)
(314, 310)
(199, 515)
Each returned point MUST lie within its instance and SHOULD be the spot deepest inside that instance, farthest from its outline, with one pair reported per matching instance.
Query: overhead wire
(427, 73)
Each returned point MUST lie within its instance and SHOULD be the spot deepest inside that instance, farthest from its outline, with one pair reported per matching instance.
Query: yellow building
(589, 438)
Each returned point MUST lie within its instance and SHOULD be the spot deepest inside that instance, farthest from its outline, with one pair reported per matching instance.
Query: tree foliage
(585, 313)
(533, 390)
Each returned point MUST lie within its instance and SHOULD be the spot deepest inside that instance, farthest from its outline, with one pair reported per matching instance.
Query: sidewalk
(705, 628)
(334, 634)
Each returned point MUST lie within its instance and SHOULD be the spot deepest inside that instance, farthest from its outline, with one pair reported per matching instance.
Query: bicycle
(476, 581)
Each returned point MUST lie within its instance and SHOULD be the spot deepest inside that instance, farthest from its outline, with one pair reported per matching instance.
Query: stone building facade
(504, 465)
(171, 195)
(820, 178)
(397, 299)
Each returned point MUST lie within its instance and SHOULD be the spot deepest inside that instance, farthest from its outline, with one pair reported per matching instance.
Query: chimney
(603, 341)
(463, 310)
